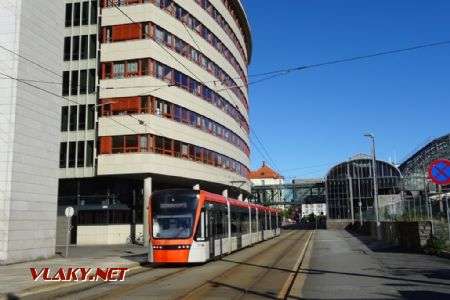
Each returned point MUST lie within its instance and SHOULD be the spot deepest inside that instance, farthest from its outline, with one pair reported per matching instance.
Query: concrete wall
(105, 235)
(407, 235)
(29, 127)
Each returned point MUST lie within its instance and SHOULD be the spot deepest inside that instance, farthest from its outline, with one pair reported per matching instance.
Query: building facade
(317, 209)
(157, 99)
(424, 196)
(350, 189)
(415, 167)
(267, 186)
(30, 70)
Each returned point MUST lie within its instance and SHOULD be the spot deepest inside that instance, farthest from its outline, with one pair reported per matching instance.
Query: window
(84, 47)
(89, 153)
(177, 148)
(91, 117)
(143, 144)
(66, 83)
(131, 143)
(63, 155)
(64, 118)
(91, 81)
(68, 14)
(76, 48)
(107, 71)
(93, 46)
(159, 144)
(83, 82)
(85, 13)
(73, 118)
(74, 83)
(93, 12)
(159, 34)
(132, 68)
(117, 144)
(80, 155)
(76, 14)
(119, 70)
(72, 154)
(67, 48)
(82, 117)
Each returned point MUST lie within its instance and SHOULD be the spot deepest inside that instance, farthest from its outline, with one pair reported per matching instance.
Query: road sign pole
(69, 212)
(69, 225)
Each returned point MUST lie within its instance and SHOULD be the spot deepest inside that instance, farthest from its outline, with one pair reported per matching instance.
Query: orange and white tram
(190, 226)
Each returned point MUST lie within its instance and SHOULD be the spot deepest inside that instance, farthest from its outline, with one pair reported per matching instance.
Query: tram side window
(218, 229)
(234, 223)
(261, 220)
(244, 222)
(253, 221)
(274, 221)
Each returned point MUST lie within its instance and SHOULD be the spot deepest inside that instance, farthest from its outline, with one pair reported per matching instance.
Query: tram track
(201, 291)
(128, 288)
(144, 278)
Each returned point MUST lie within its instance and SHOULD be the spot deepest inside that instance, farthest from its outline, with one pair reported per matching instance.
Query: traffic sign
(439, 171)
(69, 211)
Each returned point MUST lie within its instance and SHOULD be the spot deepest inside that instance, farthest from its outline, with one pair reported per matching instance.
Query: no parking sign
(439, 171)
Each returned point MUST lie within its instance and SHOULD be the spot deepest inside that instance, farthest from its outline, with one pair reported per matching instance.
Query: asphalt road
(343, 266)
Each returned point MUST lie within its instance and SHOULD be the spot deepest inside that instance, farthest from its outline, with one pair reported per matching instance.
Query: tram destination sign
(439, 171)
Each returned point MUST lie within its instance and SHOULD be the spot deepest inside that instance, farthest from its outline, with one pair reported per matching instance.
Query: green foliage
(435, 245)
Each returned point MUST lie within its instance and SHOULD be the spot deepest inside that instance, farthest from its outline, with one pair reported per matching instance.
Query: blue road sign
(439, 171)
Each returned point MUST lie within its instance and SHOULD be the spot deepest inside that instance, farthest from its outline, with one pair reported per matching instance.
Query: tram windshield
(173, 215)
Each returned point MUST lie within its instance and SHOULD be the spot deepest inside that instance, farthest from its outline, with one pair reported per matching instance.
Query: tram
(191, 226)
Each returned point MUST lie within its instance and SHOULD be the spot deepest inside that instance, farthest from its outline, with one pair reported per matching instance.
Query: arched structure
(351, 182)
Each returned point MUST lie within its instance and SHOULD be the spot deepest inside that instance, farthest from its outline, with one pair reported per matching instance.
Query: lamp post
(375, 185)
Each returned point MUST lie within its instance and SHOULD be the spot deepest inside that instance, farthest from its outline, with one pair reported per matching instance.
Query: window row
(149, 67)
(159, 107)
(166, 146)
(78, 82)
(80, 47)
(81, 13)
(146, 30)
(182, 15)
(76, 154)
(215, 14)
(75, 117)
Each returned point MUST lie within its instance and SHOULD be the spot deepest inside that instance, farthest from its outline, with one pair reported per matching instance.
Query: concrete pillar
(196, 187)
(147, 194)
(241, 197)
(225, 193)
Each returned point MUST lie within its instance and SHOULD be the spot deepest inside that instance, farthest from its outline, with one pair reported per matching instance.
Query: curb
(444, 254)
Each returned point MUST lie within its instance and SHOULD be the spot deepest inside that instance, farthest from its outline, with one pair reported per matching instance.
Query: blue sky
(311, 119)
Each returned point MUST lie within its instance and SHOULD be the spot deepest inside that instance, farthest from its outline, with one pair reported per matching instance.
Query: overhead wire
(37, 87)
(339, 61)
(30, 60)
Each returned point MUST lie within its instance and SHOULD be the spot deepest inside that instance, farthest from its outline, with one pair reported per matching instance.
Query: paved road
(266, 270)
(342, 266)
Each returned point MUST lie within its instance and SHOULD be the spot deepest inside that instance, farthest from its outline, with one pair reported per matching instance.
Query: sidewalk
(16, 279)
(343, 266)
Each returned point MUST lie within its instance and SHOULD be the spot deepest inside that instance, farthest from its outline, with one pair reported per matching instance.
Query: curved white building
(172, 109)
(173, 95)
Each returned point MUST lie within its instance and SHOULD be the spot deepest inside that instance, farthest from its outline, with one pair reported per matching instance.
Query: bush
(435, 245)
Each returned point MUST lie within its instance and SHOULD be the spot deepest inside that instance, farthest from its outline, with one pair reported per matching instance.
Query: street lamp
(375, 186)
